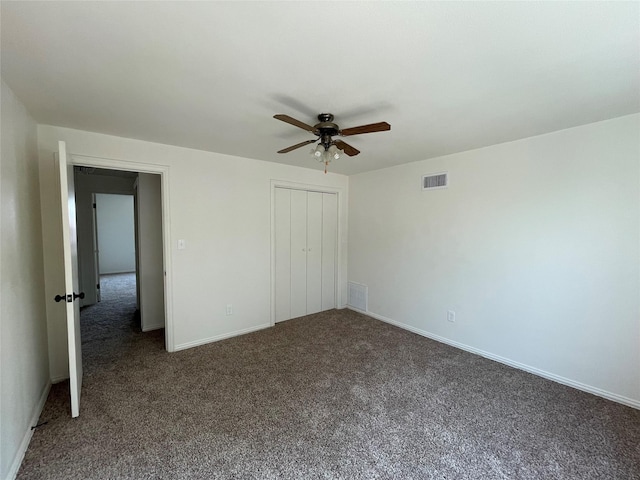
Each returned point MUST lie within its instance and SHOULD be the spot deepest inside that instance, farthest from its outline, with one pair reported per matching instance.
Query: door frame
(163, 171)
(340, 254)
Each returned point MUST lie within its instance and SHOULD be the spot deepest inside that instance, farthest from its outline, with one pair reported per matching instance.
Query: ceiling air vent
(435, 180)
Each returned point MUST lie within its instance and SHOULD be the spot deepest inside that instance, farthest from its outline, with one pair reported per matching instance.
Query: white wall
(116, 237)
(86, 185)
(23, 329)
(220, 205)
(150, 251)
(535, 245)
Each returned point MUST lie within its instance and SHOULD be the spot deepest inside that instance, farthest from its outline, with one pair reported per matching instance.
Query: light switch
(182, 244)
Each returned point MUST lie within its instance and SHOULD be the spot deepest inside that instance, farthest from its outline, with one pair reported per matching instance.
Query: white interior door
(136, 229)
(70, 254)
(96, 248)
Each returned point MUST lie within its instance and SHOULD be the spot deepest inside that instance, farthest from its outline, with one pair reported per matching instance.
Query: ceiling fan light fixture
(333, 152)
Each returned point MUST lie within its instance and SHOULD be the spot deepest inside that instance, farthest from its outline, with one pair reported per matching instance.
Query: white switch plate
(229, 309)
(451, 316)
(182, 244)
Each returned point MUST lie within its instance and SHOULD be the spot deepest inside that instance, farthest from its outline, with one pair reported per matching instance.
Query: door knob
(68, 298)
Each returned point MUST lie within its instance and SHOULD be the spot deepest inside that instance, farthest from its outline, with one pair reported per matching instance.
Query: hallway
(111, 333)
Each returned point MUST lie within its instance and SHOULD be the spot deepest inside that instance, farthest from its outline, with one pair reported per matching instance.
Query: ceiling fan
(327, 148)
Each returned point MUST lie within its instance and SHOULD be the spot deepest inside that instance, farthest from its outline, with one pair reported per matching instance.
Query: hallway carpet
(331, 395)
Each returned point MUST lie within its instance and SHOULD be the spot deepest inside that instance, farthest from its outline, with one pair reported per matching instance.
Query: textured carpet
(332, 395)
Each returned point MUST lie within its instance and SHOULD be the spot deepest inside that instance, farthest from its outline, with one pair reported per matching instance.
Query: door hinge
(94, 205)
(98, 286)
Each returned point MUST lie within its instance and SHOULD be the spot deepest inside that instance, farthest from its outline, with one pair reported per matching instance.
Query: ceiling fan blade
(298, 145)
(293, 121)
(346, 148)
(373, 127)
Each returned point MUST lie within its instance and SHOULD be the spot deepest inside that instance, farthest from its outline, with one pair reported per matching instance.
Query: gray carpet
(332, 395)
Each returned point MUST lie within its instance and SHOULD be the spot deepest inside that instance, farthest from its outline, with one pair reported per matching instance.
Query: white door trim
(339, 191)
(163, 171)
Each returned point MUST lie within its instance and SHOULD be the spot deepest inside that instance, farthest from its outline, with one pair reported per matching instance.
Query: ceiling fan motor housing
(326, 129)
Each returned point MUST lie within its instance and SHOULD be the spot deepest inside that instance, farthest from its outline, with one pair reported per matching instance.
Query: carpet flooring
(331, 395)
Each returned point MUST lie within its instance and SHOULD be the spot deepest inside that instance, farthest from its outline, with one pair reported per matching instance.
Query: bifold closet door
(298, 253)
(305, 252)
(282, 226)
(314, 252)
(329, 249)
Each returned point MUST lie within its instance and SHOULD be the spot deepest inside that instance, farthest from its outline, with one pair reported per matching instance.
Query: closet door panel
(283, 253)
(329, 249)
(298, 253)
(314, 252)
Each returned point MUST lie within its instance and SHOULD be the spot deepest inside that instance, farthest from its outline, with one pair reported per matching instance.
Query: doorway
(114, 245)
(119, 230)
(107, 323)
(148, 184)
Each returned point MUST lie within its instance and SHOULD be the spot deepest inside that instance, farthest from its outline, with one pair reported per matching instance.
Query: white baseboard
(153, 327)
(204, 341)
(24, 444)
(630, 402)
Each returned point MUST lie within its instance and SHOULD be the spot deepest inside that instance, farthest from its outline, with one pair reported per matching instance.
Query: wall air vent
(435, 180)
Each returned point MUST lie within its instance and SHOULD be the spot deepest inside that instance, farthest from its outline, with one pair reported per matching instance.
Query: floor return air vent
(358, 296)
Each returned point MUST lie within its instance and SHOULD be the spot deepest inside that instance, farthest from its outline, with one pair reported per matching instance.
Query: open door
(70, 253)
(96, 248)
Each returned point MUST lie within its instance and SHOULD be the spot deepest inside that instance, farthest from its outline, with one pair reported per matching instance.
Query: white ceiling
(447, 76)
